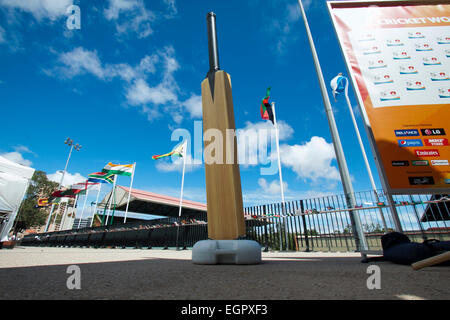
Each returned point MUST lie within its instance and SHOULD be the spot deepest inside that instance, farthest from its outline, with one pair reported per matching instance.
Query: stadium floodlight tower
(226, 225)
(72, 146)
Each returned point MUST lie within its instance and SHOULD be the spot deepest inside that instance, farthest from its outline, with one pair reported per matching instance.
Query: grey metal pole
(65, 168)
(49, 217)
(342, 164)
(59, 187)
(363, 151)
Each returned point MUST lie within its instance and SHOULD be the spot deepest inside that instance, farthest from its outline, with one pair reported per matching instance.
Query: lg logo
(74, 17)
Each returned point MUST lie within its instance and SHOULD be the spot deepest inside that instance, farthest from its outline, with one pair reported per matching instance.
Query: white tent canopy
(14, 181)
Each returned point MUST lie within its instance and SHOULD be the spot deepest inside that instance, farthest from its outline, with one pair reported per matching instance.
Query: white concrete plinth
(226, 252)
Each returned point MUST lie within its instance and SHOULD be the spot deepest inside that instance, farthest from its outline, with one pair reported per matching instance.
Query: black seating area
(157, 233)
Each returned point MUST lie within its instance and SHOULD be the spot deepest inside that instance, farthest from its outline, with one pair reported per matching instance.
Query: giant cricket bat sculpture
(223, 182)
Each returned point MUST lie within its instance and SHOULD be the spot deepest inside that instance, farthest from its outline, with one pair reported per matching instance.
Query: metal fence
(319, 224)
(325, 223)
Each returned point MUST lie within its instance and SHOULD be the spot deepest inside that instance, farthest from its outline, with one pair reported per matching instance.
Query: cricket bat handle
(431, 261)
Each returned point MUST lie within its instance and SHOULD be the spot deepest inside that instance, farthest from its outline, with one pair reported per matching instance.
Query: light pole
(72, 146)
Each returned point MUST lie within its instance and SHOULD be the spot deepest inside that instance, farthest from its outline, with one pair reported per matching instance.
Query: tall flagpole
(84, 205)
(342, 164)
(369, 172)
(112, 192)
(63, 216)
(56, 215)
(283, 211)
(129, 193)
(66, 210)
(182, 180)
(96, 205)
(49, 217)
(181, 192)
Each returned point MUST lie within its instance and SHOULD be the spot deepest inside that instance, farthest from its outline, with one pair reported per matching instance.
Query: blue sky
(124, 82)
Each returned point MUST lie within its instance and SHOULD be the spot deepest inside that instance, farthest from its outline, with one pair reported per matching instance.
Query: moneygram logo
(427, 153)
(439, 162)
(436, 142)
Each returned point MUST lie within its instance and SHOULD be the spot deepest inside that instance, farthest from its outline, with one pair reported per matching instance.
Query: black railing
(320, 224)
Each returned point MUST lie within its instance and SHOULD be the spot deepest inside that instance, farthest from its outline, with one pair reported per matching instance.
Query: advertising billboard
(398, 57)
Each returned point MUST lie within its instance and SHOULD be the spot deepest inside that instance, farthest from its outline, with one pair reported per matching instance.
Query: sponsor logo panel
(406, 132)
(410, 143)
(427, 153)
(416, 181)
(439, 162)
(433, 132)
(400, 163)
(420, 163)
(436, 142)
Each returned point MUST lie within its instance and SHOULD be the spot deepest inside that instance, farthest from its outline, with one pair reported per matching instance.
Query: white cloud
(17, 158)
(22, 149)
(176, 164)
(293, 12)
(116, 6)
(136, 17)
(273, 187)
(256, 140)
(140, 91)
(311, 160)
(194, 106)
(69, 178)
(281, 29)
(40, 9)
(80, 61)
(285, 131)
(172, 8)
(2, 35)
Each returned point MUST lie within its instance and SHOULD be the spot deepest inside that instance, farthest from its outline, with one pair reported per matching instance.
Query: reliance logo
(406, 132)
(427, 153)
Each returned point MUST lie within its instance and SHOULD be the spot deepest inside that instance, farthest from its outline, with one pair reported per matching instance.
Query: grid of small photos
(405, 66)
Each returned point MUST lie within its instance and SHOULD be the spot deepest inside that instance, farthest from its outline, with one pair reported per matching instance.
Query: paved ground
(41, 273)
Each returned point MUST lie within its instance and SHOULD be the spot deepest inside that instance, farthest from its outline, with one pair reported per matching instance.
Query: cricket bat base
(226, 252)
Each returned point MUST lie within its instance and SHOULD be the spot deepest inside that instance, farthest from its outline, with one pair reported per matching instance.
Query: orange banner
(398, 55)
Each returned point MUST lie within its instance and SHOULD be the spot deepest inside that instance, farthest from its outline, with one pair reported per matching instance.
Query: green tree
(30, 215)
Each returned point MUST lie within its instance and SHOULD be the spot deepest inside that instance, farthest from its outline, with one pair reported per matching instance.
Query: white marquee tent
(14, 181)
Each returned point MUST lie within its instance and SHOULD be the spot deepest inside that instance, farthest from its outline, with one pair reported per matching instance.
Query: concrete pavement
(41, 273)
